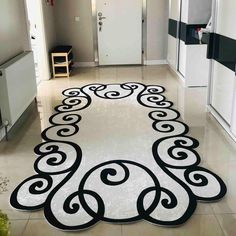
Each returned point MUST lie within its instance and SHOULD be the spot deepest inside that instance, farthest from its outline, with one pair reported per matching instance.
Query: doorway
(222, 90)
(222, 78)
(37, 38)
(119, 31)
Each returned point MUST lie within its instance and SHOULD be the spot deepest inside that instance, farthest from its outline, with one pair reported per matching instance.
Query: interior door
(36, 29)
(173, 39)
(119, 25)
(223, 80)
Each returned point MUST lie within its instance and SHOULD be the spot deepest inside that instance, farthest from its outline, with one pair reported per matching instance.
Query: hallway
(217, 151)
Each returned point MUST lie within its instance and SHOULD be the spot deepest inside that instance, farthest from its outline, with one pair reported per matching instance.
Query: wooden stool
(62, 61)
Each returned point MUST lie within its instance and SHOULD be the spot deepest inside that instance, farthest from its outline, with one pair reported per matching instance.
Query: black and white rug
(116, 153)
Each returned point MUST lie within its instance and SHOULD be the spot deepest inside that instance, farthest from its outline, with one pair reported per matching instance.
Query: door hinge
(142, 20)
(142, 51)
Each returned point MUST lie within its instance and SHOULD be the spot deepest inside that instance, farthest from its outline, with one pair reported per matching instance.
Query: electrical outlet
(77, 18)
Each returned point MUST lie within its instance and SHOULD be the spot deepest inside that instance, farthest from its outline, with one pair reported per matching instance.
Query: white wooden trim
(2, 134)
(95, 33)
(84, 64)
(179, 76)
(221, 121)
(155, 62)
(92, 64)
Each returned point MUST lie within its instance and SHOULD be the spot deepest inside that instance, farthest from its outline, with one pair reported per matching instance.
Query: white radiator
(17, 87)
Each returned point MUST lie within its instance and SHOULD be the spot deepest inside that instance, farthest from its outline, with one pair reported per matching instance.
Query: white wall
(50, 26)
(194, 12)
(41, 15)
(157, 29)
(80, 34)
(226, 18)
(50, 34)
(223, 95)
(199, 11)
(13, 29)
(174, 9)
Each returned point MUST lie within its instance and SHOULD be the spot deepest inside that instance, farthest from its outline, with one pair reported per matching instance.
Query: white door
(173, 41)
(223, 78)
(119, 24)
(36, 30)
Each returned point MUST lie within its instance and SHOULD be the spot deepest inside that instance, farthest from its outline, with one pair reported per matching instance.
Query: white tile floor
(217, 150)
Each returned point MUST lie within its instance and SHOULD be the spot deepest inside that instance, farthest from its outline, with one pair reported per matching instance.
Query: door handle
(102, 17)
(100, 25)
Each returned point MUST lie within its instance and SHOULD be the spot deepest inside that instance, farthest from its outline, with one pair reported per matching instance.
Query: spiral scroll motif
(59, 160)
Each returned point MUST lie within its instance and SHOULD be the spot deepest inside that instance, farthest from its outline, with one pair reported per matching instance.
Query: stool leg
(6, 133)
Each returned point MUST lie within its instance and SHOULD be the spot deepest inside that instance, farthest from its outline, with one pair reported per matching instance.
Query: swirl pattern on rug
(75, 200)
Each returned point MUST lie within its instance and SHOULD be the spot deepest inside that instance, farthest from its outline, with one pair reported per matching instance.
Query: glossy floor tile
(42, 228)
(18, 227)
(107, 132)
(205, 225)
(218, 152)
(227, 223)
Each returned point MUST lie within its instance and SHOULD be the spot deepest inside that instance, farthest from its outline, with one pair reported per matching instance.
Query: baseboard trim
(147, 62)
(222, 122)
(84, 64)
(179, 76)
(155, 62)
(2, 134)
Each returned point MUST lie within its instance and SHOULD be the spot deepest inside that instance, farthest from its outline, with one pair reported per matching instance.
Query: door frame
(214, 14)
(229, 128)
(43, 59)
(95, 31)
(179, 20)
(175, 67)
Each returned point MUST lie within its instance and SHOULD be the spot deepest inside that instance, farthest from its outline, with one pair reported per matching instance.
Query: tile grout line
(123, 226)
(219, 224)
(227, 213)
(215, 215)
(32, 219)
(23, 232)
